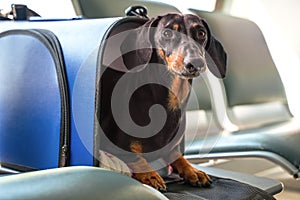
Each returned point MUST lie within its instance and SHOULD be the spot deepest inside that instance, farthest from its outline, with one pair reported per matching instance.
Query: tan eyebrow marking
(175, 27)
(195, 24)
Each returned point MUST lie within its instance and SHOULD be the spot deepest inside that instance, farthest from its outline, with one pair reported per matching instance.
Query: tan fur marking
(195, 24)
(190, 173)
(175, 60)
(178, 93)
(175, 27)
(140, 166)
(173, 103)
(161, 53)
(143, 172)
(136, 147)
(179, 87)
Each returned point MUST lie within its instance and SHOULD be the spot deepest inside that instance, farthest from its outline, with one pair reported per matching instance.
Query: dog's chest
(149, 108)
(141, 103)
(152, 101)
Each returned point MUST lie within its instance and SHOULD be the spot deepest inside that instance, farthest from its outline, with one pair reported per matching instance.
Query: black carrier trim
(53, 43)
(123, 24)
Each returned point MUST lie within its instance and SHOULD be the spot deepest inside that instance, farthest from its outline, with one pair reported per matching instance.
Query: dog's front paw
(190, 174)
(195, 177)
(151, 178)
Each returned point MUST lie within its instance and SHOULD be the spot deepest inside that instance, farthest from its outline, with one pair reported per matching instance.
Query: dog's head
(183, 42)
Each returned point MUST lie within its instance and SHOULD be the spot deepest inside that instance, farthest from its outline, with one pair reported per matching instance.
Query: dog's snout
(194, 66)
(191, 68)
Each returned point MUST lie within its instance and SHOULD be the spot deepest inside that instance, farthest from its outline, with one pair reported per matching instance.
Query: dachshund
(162, 56)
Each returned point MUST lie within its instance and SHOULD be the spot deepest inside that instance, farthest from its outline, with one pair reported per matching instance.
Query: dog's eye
(201, 34)
(168, 33)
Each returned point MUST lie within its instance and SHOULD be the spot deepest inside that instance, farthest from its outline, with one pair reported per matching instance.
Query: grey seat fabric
(255, 101)
(74, 183)
(95, 183)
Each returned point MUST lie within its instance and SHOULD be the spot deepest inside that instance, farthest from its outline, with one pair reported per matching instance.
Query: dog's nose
(194, 66)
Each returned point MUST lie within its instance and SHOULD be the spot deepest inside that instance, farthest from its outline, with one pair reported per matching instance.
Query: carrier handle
(137, 11)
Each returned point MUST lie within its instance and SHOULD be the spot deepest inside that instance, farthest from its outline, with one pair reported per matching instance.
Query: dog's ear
(217, 57)
(137, 48)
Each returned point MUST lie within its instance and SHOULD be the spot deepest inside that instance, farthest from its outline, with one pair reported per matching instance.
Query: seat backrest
(34, 103)
(116, 8)
(254, 91)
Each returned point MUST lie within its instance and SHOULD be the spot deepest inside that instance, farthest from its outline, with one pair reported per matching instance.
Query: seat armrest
(269, 185)
(74, 183)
